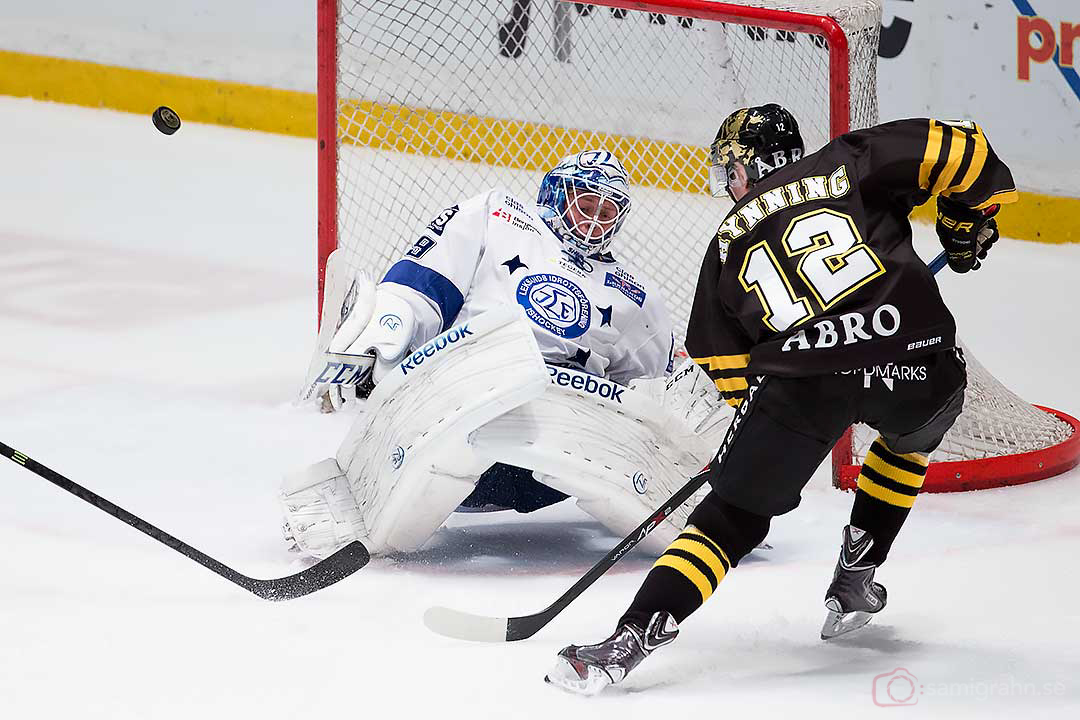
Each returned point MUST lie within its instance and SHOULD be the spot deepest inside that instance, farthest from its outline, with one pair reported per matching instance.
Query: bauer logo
(448, 338)
(641, 483)
(438, 225)
(919, 344)
(555, 304)
(586, 383)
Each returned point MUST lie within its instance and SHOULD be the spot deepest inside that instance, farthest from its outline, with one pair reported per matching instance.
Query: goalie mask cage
(424, 103)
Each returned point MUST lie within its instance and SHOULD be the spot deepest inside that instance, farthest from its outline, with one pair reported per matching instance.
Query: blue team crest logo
(555, 304)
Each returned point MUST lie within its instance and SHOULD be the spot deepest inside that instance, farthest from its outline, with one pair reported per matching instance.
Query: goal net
(438, 100)
(424, 103)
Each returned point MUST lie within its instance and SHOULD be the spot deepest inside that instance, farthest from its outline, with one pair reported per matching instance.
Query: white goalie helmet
(585, 199)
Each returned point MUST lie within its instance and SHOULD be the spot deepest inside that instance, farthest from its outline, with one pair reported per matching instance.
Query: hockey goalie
(506, 361)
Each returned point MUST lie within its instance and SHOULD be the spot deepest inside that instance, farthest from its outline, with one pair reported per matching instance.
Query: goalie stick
(482, 628)
(322, 574)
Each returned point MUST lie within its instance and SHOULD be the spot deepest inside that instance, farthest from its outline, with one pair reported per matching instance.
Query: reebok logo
(586, 383)
(437, 345)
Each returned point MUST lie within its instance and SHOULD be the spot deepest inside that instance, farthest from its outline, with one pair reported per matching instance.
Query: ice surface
(156, 313)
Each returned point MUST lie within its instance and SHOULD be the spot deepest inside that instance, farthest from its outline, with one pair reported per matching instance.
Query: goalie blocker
(480, 394)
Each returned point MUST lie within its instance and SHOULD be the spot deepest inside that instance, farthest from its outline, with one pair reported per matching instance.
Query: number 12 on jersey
(832, 262)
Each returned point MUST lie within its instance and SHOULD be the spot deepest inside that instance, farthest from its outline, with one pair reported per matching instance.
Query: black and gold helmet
(764, 139)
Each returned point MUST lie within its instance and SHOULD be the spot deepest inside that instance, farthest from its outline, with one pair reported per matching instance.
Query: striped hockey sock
(682, 579)
(887, 488)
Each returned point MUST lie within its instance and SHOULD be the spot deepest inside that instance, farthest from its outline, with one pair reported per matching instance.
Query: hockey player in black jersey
(808, 295)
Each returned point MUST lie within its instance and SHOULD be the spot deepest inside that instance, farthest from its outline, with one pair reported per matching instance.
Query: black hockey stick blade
(322, 574)
(480, 628)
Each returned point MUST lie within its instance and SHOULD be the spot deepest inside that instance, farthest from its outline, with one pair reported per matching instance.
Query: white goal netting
(442, 99)
(439, 100)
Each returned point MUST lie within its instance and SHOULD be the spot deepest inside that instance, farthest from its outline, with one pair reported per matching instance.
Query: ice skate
(588, 669)
(853, 597)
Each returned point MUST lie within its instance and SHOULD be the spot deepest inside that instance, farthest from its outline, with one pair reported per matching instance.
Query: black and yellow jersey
(813, 271)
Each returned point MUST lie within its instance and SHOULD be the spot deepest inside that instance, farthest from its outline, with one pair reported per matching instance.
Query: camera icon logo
(898, 687)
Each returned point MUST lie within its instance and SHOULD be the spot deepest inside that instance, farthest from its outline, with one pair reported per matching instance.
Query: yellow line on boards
(495, 141)
(77, 82)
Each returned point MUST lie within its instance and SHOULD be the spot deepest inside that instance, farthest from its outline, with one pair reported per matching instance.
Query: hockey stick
(937, 263)
(481, 628)
(322, 574)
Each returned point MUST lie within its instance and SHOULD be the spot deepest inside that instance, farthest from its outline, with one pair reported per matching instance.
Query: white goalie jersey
(492, 343)
(592, 314)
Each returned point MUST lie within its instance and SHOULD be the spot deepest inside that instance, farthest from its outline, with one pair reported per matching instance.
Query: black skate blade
(838, 623)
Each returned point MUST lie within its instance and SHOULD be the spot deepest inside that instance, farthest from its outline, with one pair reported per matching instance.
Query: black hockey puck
(166, 120)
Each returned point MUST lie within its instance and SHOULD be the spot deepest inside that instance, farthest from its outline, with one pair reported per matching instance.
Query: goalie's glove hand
(965, 233)
(359, 383)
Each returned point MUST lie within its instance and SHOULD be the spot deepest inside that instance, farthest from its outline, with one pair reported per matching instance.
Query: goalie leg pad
(618, 450)
(321, 515)
(407, 459)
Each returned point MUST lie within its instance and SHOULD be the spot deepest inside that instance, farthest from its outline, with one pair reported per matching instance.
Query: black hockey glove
(965, 233)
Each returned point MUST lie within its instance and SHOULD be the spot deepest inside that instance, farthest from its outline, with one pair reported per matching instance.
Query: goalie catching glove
(372, 332)
(966, 233)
